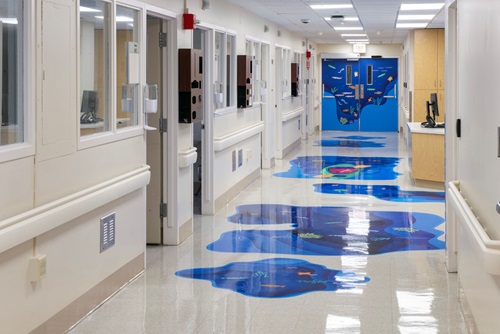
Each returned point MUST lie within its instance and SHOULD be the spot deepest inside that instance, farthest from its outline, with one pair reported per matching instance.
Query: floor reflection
(348, 143)
(275, 278)
(342, 167)
(329, 231)
(383, 192)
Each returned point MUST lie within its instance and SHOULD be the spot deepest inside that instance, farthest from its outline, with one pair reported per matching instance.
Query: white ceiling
(377, 17)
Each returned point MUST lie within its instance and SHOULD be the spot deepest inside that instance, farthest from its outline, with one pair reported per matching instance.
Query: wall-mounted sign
(359, 48)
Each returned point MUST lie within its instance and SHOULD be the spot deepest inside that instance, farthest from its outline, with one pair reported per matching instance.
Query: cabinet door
(425, 55)
(441, 105)
(440, 58)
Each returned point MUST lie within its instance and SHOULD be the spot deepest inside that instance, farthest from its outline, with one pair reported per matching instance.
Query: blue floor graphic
(383, 192)
(275, 278)
(348, 143)
(329, 231)
(342, 168)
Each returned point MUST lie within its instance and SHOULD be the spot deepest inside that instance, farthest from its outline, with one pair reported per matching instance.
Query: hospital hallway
(335, 238)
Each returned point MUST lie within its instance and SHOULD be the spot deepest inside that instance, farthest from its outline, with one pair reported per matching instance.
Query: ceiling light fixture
(88, 10)
(415, 17)
(411, 25)
(330, 6)
(352, 35)
(124, 19)
(421, 6)
(357, 40)
(8, 20)
(348, 28)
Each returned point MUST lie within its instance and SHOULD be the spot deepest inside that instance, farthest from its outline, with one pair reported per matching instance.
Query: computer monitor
(432, 108)
(88, 110)
(434, 105)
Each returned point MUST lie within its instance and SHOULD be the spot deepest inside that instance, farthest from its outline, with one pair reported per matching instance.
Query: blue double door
(360, 94)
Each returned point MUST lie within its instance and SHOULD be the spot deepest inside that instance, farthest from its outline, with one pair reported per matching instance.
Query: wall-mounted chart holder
(150, 104)
(244, 81)
(295, 79)
(190, 85)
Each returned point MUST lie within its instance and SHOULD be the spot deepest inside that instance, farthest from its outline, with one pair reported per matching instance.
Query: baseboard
(92, 299)
(291, 147)
(229, 195)
(185, 230)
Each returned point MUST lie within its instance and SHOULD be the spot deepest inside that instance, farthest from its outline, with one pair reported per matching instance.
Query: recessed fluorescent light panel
(124, 19)
(8, 20)
(415, 17)
(421, 6)
(348, 28)
(352, 35)
(412, 25)
(88, 10)
(330, 6)
(357, 40)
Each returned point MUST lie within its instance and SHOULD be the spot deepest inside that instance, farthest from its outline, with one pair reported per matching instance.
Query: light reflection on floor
(329, 231)
(342, 168)
(383, 192)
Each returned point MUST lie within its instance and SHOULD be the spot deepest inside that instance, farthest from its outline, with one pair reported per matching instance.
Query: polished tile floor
(405, 290)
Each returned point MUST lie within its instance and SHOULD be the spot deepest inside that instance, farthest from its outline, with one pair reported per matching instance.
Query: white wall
(478, 76)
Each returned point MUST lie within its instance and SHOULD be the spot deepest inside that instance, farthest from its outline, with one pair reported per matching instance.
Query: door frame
(452, 143)
(170, 159)
(207, 142)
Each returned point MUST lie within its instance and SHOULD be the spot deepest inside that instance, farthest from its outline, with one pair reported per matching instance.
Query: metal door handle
(356, 91)
(362, 91)
(395, 93)
(326, 97)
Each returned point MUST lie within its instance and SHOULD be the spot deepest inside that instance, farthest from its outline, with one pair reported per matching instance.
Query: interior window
(127, 67)
(95, 36)
(12, 34)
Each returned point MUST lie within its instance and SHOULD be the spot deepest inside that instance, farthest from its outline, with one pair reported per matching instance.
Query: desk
(426, 152)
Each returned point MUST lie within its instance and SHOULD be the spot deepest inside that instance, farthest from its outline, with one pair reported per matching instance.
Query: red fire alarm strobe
(189, 21)
(308, 54)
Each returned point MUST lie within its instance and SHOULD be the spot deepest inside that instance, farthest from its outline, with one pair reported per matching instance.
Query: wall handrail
(288, 116)
(490, 248)
(30, 224)
(235, 137)
(187, 157)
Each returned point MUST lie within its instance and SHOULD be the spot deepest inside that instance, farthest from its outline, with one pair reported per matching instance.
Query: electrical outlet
(38, 268)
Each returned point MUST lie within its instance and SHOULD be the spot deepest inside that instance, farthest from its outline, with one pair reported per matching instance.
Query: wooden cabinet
(425, 59)
(427, 157)
(440, 58)
(428, 71)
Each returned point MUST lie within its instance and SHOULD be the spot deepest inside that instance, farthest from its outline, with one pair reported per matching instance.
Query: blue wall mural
(341, 168)
(360, 95)
(275, 278)
(329, 231)
(383, 192)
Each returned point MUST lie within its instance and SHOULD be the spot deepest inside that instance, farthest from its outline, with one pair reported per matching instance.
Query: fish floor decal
(383, 192)
(275, 278)
(342, 168)
(329, 231)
